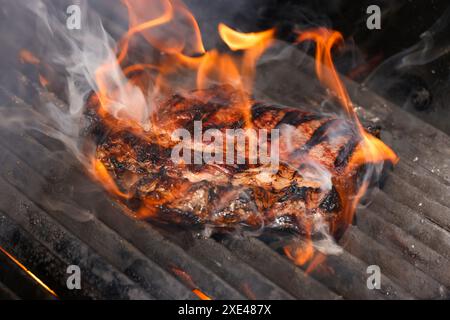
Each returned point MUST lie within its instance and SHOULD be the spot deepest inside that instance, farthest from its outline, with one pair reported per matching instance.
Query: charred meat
(311, 182)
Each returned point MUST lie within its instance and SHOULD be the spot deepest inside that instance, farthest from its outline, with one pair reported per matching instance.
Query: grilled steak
(310, 183)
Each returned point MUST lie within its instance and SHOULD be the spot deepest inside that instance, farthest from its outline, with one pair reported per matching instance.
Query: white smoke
(78, 54)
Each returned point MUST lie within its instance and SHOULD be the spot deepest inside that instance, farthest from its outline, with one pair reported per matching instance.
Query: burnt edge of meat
(319, 136)
(331, 202)
(93, 126)
(346, 152)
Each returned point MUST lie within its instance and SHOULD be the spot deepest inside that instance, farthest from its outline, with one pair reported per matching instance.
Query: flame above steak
(325, 162)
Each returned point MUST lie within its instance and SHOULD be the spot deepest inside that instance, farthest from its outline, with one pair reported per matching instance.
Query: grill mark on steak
(296, 118)
(319, 135)
(266, 116)
(346, 152)
(261, 108)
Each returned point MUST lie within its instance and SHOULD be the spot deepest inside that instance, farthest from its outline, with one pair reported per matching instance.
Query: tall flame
(371, 149)
(169, 27)
(127, 92)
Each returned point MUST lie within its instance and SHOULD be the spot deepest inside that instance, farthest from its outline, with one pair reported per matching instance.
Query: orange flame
(187, 279)
(26, 56)
(369, 150)
(300, 254)
(325, 40)
(243, 41)
(102, 175)
(127, 92)
(318, 259)
(169, 27)
(201, 295)
(43, 80)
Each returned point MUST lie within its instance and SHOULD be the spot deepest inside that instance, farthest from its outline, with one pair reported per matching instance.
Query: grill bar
(348, 285)
(118, 218)
(413, 197)
(117, 251)
(278, 269)
(225, 264)
(413, 223)
(405, 246)
(393, 265)
(16, 284)
(68, 250)
(433, 186)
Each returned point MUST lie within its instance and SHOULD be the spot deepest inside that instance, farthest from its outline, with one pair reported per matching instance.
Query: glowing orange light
(102, 175)
(43, 81)
(201, 295)
(31, 274)
(187, 279)
(125, 88)
(26, 56)
(318, 259)
(300, 254)
(371, 149)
